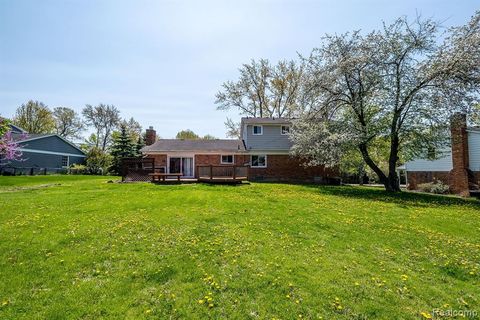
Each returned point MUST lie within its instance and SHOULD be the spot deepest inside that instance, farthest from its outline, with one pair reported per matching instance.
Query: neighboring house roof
(25, 137)
(16, 129)
(266, 121)
(476, 129)
(20, 137)
(220, 145)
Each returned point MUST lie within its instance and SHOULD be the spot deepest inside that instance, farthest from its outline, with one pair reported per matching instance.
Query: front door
(181, 165)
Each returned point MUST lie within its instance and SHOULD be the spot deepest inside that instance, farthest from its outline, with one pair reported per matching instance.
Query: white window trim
(221, 159)
(51, 152)
(251, 161)
(253, 130)
(181, 156)
(281, 130)
(68, 162)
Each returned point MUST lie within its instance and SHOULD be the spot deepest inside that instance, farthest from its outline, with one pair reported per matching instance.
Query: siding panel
(271, 139)
(40, 160)
(53, 143)
(442, 164)
(474, 150)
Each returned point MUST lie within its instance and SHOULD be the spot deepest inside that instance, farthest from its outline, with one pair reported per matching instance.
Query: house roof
(476, 129)
(19, 137)
(266, 120)
(16, 129)
(220, 145)
(24, 137)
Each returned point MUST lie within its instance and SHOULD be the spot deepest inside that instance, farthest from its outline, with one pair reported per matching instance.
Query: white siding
(474, 150)
(442, 164)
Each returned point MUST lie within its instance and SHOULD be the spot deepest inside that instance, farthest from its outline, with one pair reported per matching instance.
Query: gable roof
(473, 129)
(16, 129)
(24, 137)
(217, 145)
(266, 121)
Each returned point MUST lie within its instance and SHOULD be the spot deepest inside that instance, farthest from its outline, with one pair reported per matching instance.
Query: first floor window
(285, 129)
(64, 161)
(259, 161)
(227, 159)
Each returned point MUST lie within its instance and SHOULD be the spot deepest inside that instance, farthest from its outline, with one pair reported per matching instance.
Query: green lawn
(81, 248)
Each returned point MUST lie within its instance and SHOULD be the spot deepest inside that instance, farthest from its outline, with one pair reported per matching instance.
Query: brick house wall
(418, 177)
(287, 168)
(160, 160)
(215, 160)
(460, 178)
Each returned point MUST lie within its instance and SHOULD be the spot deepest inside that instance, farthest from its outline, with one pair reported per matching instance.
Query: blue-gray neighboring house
(42, 151)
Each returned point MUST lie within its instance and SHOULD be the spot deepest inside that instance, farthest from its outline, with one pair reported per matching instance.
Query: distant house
(43, 151)
(458, 167)
(264, 147)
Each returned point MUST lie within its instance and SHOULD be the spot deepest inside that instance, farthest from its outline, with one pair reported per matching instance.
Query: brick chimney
(150, 136)
(459, 174)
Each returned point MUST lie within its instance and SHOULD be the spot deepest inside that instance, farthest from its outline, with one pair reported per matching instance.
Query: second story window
(285, 130)
(257, 130)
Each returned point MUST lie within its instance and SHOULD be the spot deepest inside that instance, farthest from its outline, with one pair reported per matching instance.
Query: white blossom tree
(400, 84)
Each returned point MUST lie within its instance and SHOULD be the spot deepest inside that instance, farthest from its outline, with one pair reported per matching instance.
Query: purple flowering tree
(9, 149)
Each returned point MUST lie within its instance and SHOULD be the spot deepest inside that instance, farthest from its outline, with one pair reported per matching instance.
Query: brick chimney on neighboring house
(150, 136)
(458, 176)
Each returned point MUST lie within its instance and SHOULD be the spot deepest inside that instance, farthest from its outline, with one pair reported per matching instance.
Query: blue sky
(163, 61)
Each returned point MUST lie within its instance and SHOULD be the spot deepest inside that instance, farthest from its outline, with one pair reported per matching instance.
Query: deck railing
(224, 172)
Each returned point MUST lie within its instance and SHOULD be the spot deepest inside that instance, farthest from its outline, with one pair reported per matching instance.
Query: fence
(137, 169)
(210, 172)
(30, 171)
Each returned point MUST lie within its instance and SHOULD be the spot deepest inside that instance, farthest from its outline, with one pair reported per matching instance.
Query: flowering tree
(399, 85)
(9, 149)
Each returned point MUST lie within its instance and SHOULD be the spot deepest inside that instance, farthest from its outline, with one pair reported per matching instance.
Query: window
(285, 130)
(257, 130)
(259, 161)
(64, 161)
(227, 159)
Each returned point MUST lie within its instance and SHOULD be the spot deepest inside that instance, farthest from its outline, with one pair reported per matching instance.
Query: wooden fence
(137, 169)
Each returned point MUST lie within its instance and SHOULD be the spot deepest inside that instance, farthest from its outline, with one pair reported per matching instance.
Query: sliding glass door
(181, 165)
(187, 167)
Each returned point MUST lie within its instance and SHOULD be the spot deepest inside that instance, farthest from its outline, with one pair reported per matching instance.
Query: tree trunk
(369, 161)
(393, 180)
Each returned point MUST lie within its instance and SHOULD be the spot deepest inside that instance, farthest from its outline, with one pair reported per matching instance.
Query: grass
(75, 247)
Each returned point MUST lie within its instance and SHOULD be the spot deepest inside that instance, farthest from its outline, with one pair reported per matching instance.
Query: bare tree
(262, 90)
(397, 84)
(68, 123)
(34, 117)
(105, 119)
(133, 128)
(233, 128)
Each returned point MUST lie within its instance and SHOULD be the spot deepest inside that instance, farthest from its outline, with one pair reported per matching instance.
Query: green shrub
(78, 169)
(437, 187)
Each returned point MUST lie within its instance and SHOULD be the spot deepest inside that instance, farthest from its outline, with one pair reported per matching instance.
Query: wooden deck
(222, 179)
(222, 173)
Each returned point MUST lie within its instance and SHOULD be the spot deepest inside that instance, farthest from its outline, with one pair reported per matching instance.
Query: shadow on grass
(406, 198)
